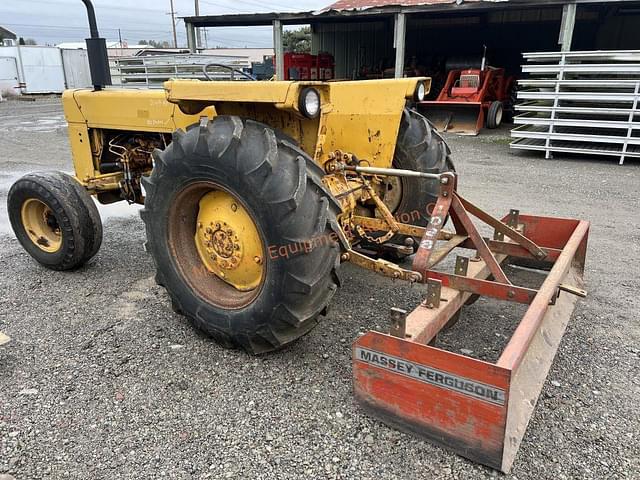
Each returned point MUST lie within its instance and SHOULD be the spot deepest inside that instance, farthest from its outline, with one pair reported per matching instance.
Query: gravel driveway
(102, 379)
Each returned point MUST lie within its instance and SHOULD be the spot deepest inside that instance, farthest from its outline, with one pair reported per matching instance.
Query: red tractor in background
(468, 97)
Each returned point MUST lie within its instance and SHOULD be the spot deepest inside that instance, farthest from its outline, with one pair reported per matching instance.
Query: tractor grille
(469, 81)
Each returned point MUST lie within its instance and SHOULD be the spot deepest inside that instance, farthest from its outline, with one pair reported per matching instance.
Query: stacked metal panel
(151, 71)
(580, 102)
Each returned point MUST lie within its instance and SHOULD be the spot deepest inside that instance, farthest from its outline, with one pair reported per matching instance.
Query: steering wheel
(227, 67)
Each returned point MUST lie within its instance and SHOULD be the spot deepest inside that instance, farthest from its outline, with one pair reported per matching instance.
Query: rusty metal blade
(465, 118)
(476, 408)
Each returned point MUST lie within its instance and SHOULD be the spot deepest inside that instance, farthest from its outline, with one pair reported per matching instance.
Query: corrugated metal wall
(355, 45)
(620, 31)
(506, 35)
(431, 39)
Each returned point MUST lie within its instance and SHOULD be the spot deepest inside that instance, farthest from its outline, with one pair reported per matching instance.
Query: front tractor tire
(241, 230)
(495, 113)
(54, 219)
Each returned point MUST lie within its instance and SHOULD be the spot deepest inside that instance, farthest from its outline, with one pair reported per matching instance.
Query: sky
(55, 21)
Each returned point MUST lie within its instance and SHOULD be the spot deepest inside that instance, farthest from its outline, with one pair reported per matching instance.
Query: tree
(155, 44)
(298, 41)
(28, 41)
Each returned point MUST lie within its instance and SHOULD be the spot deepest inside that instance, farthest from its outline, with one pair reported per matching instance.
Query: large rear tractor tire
(421, 148)
(54, 219)
(241, 230)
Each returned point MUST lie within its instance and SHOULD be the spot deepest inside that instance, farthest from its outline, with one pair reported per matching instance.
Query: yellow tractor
(244, 222)
(254, 193)
(245, 218)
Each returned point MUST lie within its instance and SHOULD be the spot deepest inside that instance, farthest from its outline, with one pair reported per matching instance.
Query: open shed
(376, 38)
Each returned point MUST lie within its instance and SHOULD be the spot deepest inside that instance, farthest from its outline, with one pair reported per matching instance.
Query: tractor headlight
(309, 102)
(421, 92)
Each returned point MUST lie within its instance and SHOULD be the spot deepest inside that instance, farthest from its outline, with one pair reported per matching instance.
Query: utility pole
(198, 31)
(173, 24)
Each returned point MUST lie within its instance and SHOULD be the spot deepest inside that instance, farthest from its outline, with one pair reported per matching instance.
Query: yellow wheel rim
(41, 225)
(228, 241)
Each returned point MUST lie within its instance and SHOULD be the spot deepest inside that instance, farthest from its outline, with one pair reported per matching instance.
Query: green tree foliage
(155, 44)
(298, 41)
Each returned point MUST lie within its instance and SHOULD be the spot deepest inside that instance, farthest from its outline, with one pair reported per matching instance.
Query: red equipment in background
(325, 66)
(304, 66)
(468, 97)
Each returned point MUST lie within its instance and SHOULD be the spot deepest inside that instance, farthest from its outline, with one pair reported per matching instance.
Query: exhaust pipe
(484, 58)
(97, 52)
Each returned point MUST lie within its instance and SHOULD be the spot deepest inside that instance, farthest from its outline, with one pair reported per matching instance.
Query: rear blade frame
(436, 404)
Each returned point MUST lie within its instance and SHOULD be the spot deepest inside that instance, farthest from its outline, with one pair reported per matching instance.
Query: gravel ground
(103, 380)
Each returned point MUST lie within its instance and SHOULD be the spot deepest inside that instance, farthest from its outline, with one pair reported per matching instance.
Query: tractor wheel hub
(228, 241)
(41, 225)
(392, 193)
(223, 245)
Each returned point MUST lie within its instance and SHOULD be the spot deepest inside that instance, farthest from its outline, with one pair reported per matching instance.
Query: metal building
(389, 37)
(6, 34)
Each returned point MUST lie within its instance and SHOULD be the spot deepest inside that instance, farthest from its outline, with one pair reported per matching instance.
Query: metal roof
(7, 33)
(339, 11)
(349, 10)
(442, 5)
(341, 5)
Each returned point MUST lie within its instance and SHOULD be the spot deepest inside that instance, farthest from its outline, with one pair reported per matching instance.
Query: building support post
(398, 43)
(566, 26)
(191, 37)
(279, 49)
(198, 30)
